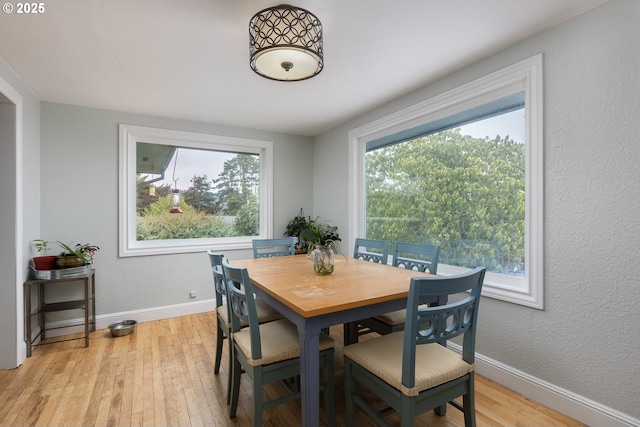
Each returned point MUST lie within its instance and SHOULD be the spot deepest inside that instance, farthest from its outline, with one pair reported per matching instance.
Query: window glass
(186, 192)
(461, 188)
(199, 194)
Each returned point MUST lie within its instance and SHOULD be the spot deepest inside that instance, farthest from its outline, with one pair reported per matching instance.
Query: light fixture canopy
(285, 43)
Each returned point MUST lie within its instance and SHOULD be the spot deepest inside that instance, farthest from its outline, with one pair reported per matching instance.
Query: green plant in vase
(321, 238)
(41, 245)
(295, 227)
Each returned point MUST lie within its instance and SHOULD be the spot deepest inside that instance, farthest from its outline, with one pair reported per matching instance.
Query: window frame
(130, 135)
(524, 76)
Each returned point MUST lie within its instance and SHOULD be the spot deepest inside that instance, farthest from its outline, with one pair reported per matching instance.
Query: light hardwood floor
(162, 375)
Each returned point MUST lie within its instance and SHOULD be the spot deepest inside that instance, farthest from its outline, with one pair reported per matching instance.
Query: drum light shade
(285, 43)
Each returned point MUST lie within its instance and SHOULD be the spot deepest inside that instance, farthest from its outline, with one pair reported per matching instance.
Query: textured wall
(587, 339)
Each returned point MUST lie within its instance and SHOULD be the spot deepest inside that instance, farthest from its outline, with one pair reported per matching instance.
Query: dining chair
(425, 374)
(415, 256)
(264, 248)
(268, 352)
(368, 250)
(411, 256)
(371, 250)
(223, 315)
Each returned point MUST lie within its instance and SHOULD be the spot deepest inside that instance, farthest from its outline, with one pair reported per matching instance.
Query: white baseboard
(578, 407)
(575, 406)
(157, 313)
(144, 315)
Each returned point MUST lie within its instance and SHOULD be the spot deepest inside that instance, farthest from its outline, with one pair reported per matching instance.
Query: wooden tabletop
(354, 283)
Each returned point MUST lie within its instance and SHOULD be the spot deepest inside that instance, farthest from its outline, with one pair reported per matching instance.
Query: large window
(184, 192)
(463, 171)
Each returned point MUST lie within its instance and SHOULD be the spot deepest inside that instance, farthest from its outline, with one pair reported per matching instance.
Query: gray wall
(23, 202)
(587, 339)
(80, 203)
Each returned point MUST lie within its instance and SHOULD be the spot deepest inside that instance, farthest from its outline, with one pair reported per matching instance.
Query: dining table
(355, 290)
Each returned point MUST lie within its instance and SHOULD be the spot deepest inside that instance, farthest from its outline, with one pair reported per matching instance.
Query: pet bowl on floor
(122, 328)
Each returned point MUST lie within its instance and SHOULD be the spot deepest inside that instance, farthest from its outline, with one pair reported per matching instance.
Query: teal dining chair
(371, 250)
(264, 248)
(416, 256)
(425, 374)
(268, 352)
(411, 256)
(223, 315)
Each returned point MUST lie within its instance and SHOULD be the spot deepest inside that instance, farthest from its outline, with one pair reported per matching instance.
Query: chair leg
(349, 405)
(329, 397)
(236, 372)
(468, 401)
(229, 374)
(219, 341)
(350, 333)
(441, 410)
(258, 399)
(407, 411)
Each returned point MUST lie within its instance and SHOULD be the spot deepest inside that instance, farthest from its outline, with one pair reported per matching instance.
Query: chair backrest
(371, 250)
(417, 257)
(218, 280)
(243, 305)
(426, 325)
(263, 248)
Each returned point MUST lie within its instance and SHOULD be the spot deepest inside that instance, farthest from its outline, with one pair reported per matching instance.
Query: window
(464, 171)
(188, 192)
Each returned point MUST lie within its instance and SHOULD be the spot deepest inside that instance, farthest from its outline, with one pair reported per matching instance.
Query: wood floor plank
(86, 376)
(66, 406)
(162, 375)
(16, 380)
(52, 389)
(101, 378)
(159, 409)
(137, 383)
(144, 334)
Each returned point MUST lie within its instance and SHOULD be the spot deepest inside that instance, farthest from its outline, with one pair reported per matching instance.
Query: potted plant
(321, 238)
(295, 227)
(45, 261)
(76, 256)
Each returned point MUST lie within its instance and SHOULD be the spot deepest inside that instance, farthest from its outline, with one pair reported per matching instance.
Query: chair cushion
(382, 356)
(223, 315)
(266, 313)
(279, 341)
(393, 318)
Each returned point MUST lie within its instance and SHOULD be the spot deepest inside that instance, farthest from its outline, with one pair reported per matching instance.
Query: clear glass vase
(322, 258)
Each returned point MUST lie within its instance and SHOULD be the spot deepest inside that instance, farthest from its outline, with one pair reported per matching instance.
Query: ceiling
(189, 59)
